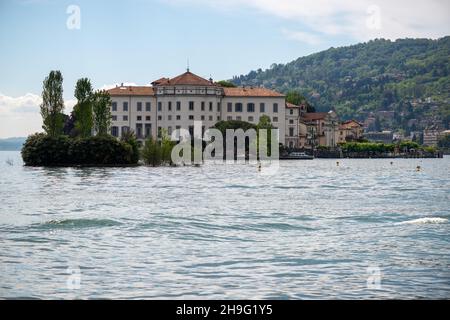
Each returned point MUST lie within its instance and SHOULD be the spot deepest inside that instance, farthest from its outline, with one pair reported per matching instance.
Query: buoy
(418, 168)
(259, 166)
(337, 163)
(392, 163)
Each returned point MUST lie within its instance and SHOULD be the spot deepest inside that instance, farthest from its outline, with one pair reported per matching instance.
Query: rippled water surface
(313, 230)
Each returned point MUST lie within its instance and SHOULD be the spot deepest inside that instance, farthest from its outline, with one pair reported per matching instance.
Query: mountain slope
(11, 144)
(379, 75)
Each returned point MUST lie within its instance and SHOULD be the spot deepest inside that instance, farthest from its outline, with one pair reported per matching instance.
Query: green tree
(83, 108)
(130, 138)
(101, 112)
(444, 141)
(53, 104)
(226, 84)
(295, 97)
(166, 147)
(152, 153)
(265, 124)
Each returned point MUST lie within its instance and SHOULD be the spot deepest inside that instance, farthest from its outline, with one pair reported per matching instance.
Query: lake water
(365, 229)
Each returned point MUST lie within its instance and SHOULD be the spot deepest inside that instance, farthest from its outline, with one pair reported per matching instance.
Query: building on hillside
(350, 130)
(431, 137)
(380, 137)
(176, 103)
(319, 129)
(293, 115)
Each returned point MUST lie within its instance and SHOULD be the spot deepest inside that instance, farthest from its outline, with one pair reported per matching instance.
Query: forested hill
(369, 77)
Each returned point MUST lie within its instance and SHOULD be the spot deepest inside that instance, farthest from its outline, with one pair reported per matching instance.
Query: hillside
(11, 144)
(409, 78)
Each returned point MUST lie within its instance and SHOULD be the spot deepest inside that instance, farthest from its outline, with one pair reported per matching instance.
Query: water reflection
(311, 231)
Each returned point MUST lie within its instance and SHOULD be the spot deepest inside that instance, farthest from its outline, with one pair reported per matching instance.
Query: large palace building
(176, 103)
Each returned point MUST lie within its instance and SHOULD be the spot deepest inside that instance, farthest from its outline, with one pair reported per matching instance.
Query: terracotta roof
(312, 116)
(187, 78)
(131, 91)
(350, 124)
(160, 81)
(251, 92)
(290, 105)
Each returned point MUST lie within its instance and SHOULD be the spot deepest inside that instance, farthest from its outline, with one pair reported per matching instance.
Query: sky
(138, 41)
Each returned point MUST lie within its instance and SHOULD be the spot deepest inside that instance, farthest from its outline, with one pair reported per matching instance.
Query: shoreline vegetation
(82, 138)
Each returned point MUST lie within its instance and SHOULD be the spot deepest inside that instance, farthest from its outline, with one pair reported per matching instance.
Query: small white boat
(298, 156)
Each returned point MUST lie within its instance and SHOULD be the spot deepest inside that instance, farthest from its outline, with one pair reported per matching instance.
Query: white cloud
(20, 116)
(308, 38)
(393, 19)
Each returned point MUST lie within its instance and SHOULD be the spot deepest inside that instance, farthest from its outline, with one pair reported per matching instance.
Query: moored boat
(297, 156)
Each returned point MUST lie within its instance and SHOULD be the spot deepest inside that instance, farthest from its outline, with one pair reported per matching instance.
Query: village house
(350, 131)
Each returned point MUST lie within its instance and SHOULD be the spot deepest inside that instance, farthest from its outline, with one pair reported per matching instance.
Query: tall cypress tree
(53, 104)
(102, 112)
(83, 108)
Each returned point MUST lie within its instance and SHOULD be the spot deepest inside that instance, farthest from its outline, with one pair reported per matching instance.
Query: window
(139, 130)
(250, 119)
(230, 107)
(159, 106)
(147, 118)
(115, 131)
(159, 131)
(191, 117)
(250, 107)
(218, 107)
(202, 118)
(139, 118)
(210, 118)
(169, 130)
(125, 118)
(291, 121)
(178, 117)
(114, 118)
(238, 118)
(125, 106)
(191, 105)
(203, 106)
(125, 130)
(229, 118)
(178, 127)
(191, 130)
(148, 130)
(291, 132)
(210, 106)
(148, 106)
(159, 117)
(178, 105)
(238, 107)
(291, 112)
(275, 107)
(275, 119)
(170, 106)
(114, 106)
(262, 107)
(218, 118)
(169, 117)
(139, 106)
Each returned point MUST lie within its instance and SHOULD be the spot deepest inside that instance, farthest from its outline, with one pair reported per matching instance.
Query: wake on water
(430, 220)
